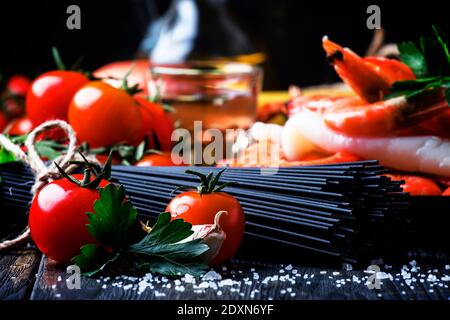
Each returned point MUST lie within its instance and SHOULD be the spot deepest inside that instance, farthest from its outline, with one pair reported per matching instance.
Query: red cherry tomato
(446, 192)
(58, 218)
(3, 122)
(113, 73)
(155, 159)
(103, 115)
(201, 209)
(18, 85)
(13, 106)
(157, 124)
(20, 126)
(417, 186)
(50, 95)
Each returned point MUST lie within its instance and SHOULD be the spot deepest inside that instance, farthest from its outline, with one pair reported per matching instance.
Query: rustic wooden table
(24, 274)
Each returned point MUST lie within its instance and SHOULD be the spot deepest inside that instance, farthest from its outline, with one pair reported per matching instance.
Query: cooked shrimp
(371, 79)
(428, 154)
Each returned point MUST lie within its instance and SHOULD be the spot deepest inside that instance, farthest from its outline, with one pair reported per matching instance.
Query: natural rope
(43, 173)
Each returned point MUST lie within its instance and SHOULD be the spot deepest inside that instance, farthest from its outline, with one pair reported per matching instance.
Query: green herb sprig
(430, 62)
(159, 251)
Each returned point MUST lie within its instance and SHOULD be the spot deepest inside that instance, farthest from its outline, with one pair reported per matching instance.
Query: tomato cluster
(110, 110)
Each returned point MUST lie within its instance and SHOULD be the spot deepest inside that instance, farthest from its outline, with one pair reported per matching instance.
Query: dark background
(288, 31)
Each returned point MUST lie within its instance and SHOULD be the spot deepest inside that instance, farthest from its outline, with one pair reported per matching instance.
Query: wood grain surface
(17, 273)
(308, 283)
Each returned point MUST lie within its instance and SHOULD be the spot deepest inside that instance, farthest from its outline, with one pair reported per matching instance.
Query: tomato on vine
(202, 205)
(50, 94)
(162, 159)
(157, 126)
(18, 85)
(58, 214)
(103, 115)
(112, 73)
(20, 126)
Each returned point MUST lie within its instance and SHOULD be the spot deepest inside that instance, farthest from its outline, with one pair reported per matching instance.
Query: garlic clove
(212, 235)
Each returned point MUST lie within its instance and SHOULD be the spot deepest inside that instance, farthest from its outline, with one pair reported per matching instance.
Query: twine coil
(44, 173)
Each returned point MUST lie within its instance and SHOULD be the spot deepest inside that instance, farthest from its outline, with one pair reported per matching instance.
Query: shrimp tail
(370, 78)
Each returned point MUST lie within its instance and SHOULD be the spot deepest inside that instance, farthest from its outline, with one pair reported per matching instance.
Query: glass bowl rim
(200, 68)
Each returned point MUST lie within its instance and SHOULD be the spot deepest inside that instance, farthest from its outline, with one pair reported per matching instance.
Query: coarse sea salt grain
(226, 282)
(159, 294)
(212, 285)
(179, 288)
(382, 275)
(211, 276)
(188, 278)
(445, 278)
(289, 267)
(432, 278)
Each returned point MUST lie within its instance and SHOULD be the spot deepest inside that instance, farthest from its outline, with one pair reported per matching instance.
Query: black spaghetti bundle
(347, 211)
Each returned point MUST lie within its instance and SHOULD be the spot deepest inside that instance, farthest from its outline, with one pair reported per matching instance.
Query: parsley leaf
(160, 250)
(6, 156)
(93, 259)
(412, 56)
(430, 62)
(113, 217)
(48, 149)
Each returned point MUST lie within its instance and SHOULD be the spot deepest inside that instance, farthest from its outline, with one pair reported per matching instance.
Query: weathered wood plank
(17, 273)
(298, 282)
